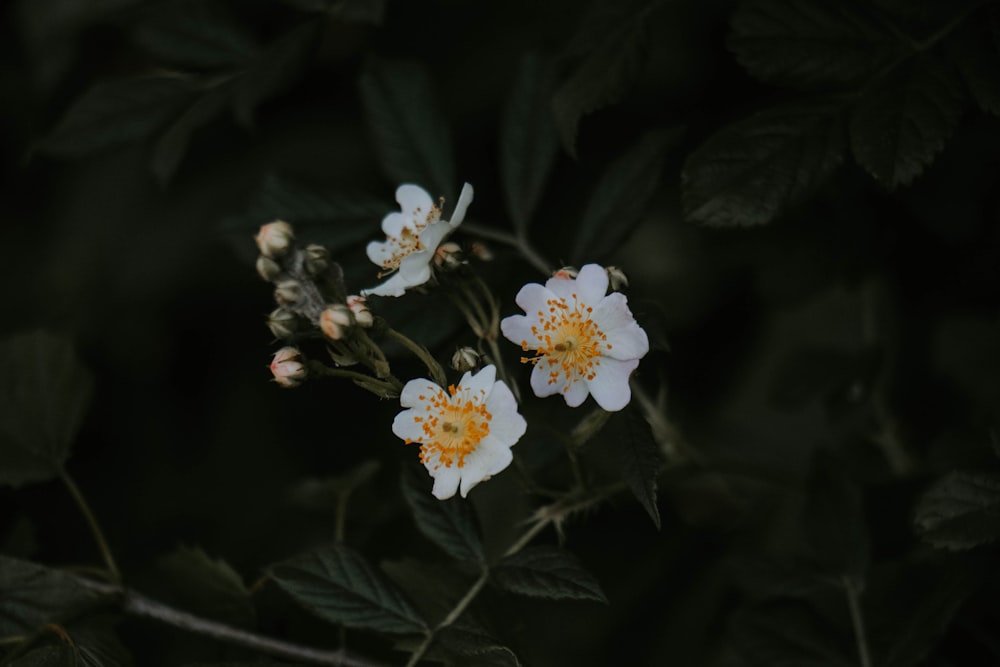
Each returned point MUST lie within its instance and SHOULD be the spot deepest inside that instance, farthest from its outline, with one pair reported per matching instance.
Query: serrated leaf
(641, 458)
(611, 40)
(810, 44)
(339, 585)
(902, 120)
(547, 572)
(472, 643)
(196, 33)
(207, 586)
(960, 511)
(412, 138)
(833, 518)
(754, 170)
(32, 595)
(118, 112)
(528, 141)
(173, 143)
(621, 196)
(273, 70)
(336, 220)
(450, 524)
(43, 400)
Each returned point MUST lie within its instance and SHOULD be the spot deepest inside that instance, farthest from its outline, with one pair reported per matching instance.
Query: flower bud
(275, 238)
(617, 279)
(267, 268)
(335, 321)
(465, 359)
(316, 258)
(448, 256)
(481, 251)
(359, 306)
(287, 367)
(287, 292)
(566, 273)
(282, 322)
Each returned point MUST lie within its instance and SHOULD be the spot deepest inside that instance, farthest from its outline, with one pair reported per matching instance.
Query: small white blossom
(465, 432)
(411, 239)
(287, 367)
(586, 341)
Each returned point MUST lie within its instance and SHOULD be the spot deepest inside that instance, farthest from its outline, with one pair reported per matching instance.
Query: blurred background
(861, 322)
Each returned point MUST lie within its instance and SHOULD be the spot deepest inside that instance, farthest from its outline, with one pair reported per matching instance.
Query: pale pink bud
(481, 251)
(275, 238)
(566, 273)
(267, 268)
(448, 256)
(287, 292)
(287, 367)
(617, 278)
(465, 359)
(282, 323)
(335, 321)
(359, 306)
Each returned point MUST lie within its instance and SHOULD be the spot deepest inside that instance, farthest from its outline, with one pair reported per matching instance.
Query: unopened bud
(275, 238)
(448, 256)
(481, 251)
(359, 306)
(287, 367)
(335, 321)
(267, 268)
(566, 273)
(282, 323)
(316, 258)
(287, 292)
(617, 279)
(465, 359)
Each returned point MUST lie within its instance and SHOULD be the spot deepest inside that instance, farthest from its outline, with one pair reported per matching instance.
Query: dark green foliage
(471, 644)
(339, 585)
(450, 524)
(32, 595)
(960, 511)
(206, 585)
(834, 521)
(641, 458)
(198, 34)
(43, 402)
(547, 572)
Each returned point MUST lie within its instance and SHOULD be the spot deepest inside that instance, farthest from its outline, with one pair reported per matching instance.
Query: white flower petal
(563, 288)
(540, 378)
(414, 201)
(464, 199)
(626, 337)
(394, 223)
(432, 236)
(507, 425)
(415, 269)
(517, 329)
(379, 252)
(406, 427)
(394, 286)
(591, 284)
(610, 385)
(532, 297)
(410, 397)
(445, 481)
(490, 459)
(576, 393)
(480, 382)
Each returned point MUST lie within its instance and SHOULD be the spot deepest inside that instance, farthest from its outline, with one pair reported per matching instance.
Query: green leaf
(173, 143)
(450, 524)
(207, 586)
(810, 44)
(751, 172)
(96, 643)
(51, 655)
(32, 595)
(611, 40)
(547, 572)
(528, 141)
(273, 70)
(412, 138)
(834, 520)
(902, 120)
(960, 511)
(353, 11)
(620, 198)
(473, 644)
(336, 220)
(340, 586)
(196, 33)
(641, 459)
(42, 405)
(118, 112)
(975, 50)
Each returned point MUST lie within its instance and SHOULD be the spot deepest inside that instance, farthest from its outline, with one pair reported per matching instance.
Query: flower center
(453, 425)
(570, 342)
(408, 240)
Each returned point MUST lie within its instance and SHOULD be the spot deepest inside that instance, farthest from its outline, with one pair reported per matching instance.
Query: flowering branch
(136, 604)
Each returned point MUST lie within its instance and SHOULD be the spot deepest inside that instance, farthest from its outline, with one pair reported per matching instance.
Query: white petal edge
(517, 329)
(461, 206)
(412, 197)
(610, 385)
(446, 480)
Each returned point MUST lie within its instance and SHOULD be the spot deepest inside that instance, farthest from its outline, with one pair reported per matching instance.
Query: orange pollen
(406, 243)
(454, 423)
(569, 341)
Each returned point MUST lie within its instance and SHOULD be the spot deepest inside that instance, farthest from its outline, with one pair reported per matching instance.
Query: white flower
(465, 432)
(586, 341)
(411, 237)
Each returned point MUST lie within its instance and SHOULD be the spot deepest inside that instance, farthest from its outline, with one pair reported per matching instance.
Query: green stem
(388, 388)
(857, 620)
(437, 373)
(95, 527)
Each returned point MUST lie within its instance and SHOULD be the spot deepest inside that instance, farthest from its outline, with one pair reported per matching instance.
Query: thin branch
(437, 373)
(519, 242)
(95, 527)
(857, 620)
(136, 604)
